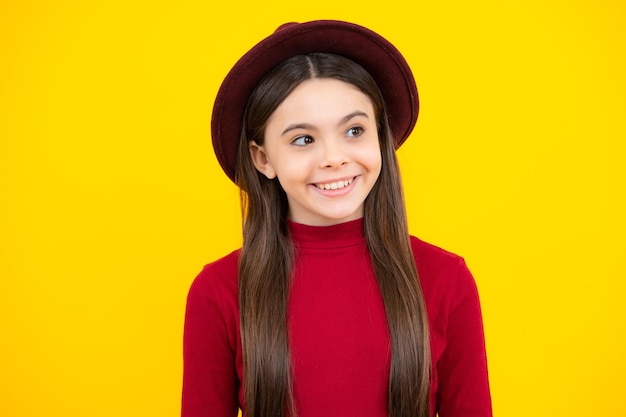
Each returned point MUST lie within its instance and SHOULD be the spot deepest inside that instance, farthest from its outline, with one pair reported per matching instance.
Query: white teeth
(334, 185)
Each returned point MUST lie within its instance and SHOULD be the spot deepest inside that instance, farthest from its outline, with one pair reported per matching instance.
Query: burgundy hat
(373, 52)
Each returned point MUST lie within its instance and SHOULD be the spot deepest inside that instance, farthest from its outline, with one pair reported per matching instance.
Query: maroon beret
(373, 52)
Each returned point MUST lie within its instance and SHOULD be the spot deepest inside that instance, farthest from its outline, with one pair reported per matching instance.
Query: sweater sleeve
(463, 381)
(209, 371)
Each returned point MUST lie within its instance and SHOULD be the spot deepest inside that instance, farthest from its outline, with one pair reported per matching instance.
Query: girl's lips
(335, 185)
(335, 188)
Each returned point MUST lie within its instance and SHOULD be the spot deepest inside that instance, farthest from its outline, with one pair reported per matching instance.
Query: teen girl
(330, 308)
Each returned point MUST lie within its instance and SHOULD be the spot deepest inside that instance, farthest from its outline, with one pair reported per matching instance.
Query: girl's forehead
(323, 100)
(313, 92)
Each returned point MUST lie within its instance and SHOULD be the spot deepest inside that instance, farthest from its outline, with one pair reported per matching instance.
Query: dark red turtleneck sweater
(339, 338)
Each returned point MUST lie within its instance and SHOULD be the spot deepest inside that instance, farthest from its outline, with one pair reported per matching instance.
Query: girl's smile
(322, 144)
(335, 185)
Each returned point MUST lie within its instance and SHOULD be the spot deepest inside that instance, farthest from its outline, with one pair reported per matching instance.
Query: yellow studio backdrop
(112, 200)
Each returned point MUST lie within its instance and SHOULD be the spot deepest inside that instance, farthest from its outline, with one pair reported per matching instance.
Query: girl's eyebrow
(295, 126)
(351, 116)
(345, 119)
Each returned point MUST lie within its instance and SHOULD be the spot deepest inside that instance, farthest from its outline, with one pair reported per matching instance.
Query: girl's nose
(333, 155)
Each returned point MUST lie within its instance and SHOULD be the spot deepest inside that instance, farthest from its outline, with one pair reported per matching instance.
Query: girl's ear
(259, 158)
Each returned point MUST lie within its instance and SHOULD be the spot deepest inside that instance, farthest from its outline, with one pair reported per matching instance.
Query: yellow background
(111, 199)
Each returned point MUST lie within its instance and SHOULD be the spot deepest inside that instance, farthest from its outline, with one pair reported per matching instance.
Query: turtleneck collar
(336, 236)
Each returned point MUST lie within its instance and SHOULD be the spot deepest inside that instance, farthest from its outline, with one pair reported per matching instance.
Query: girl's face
(322, 144)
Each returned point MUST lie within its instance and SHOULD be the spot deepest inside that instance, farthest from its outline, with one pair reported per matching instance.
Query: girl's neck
(339, 235)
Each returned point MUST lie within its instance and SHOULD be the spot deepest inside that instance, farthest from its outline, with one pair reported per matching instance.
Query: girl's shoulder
(438, 267)
(219, 276)
(224, 265)
(428, 253)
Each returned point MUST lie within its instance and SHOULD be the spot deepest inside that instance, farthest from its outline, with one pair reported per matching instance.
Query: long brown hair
(265, 266)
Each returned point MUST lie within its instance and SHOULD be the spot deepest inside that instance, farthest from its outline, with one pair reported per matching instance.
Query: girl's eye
(355, 131)
(302, 141)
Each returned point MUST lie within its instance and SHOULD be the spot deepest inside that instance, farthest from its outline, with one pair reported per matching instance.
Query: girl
(330, 307)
